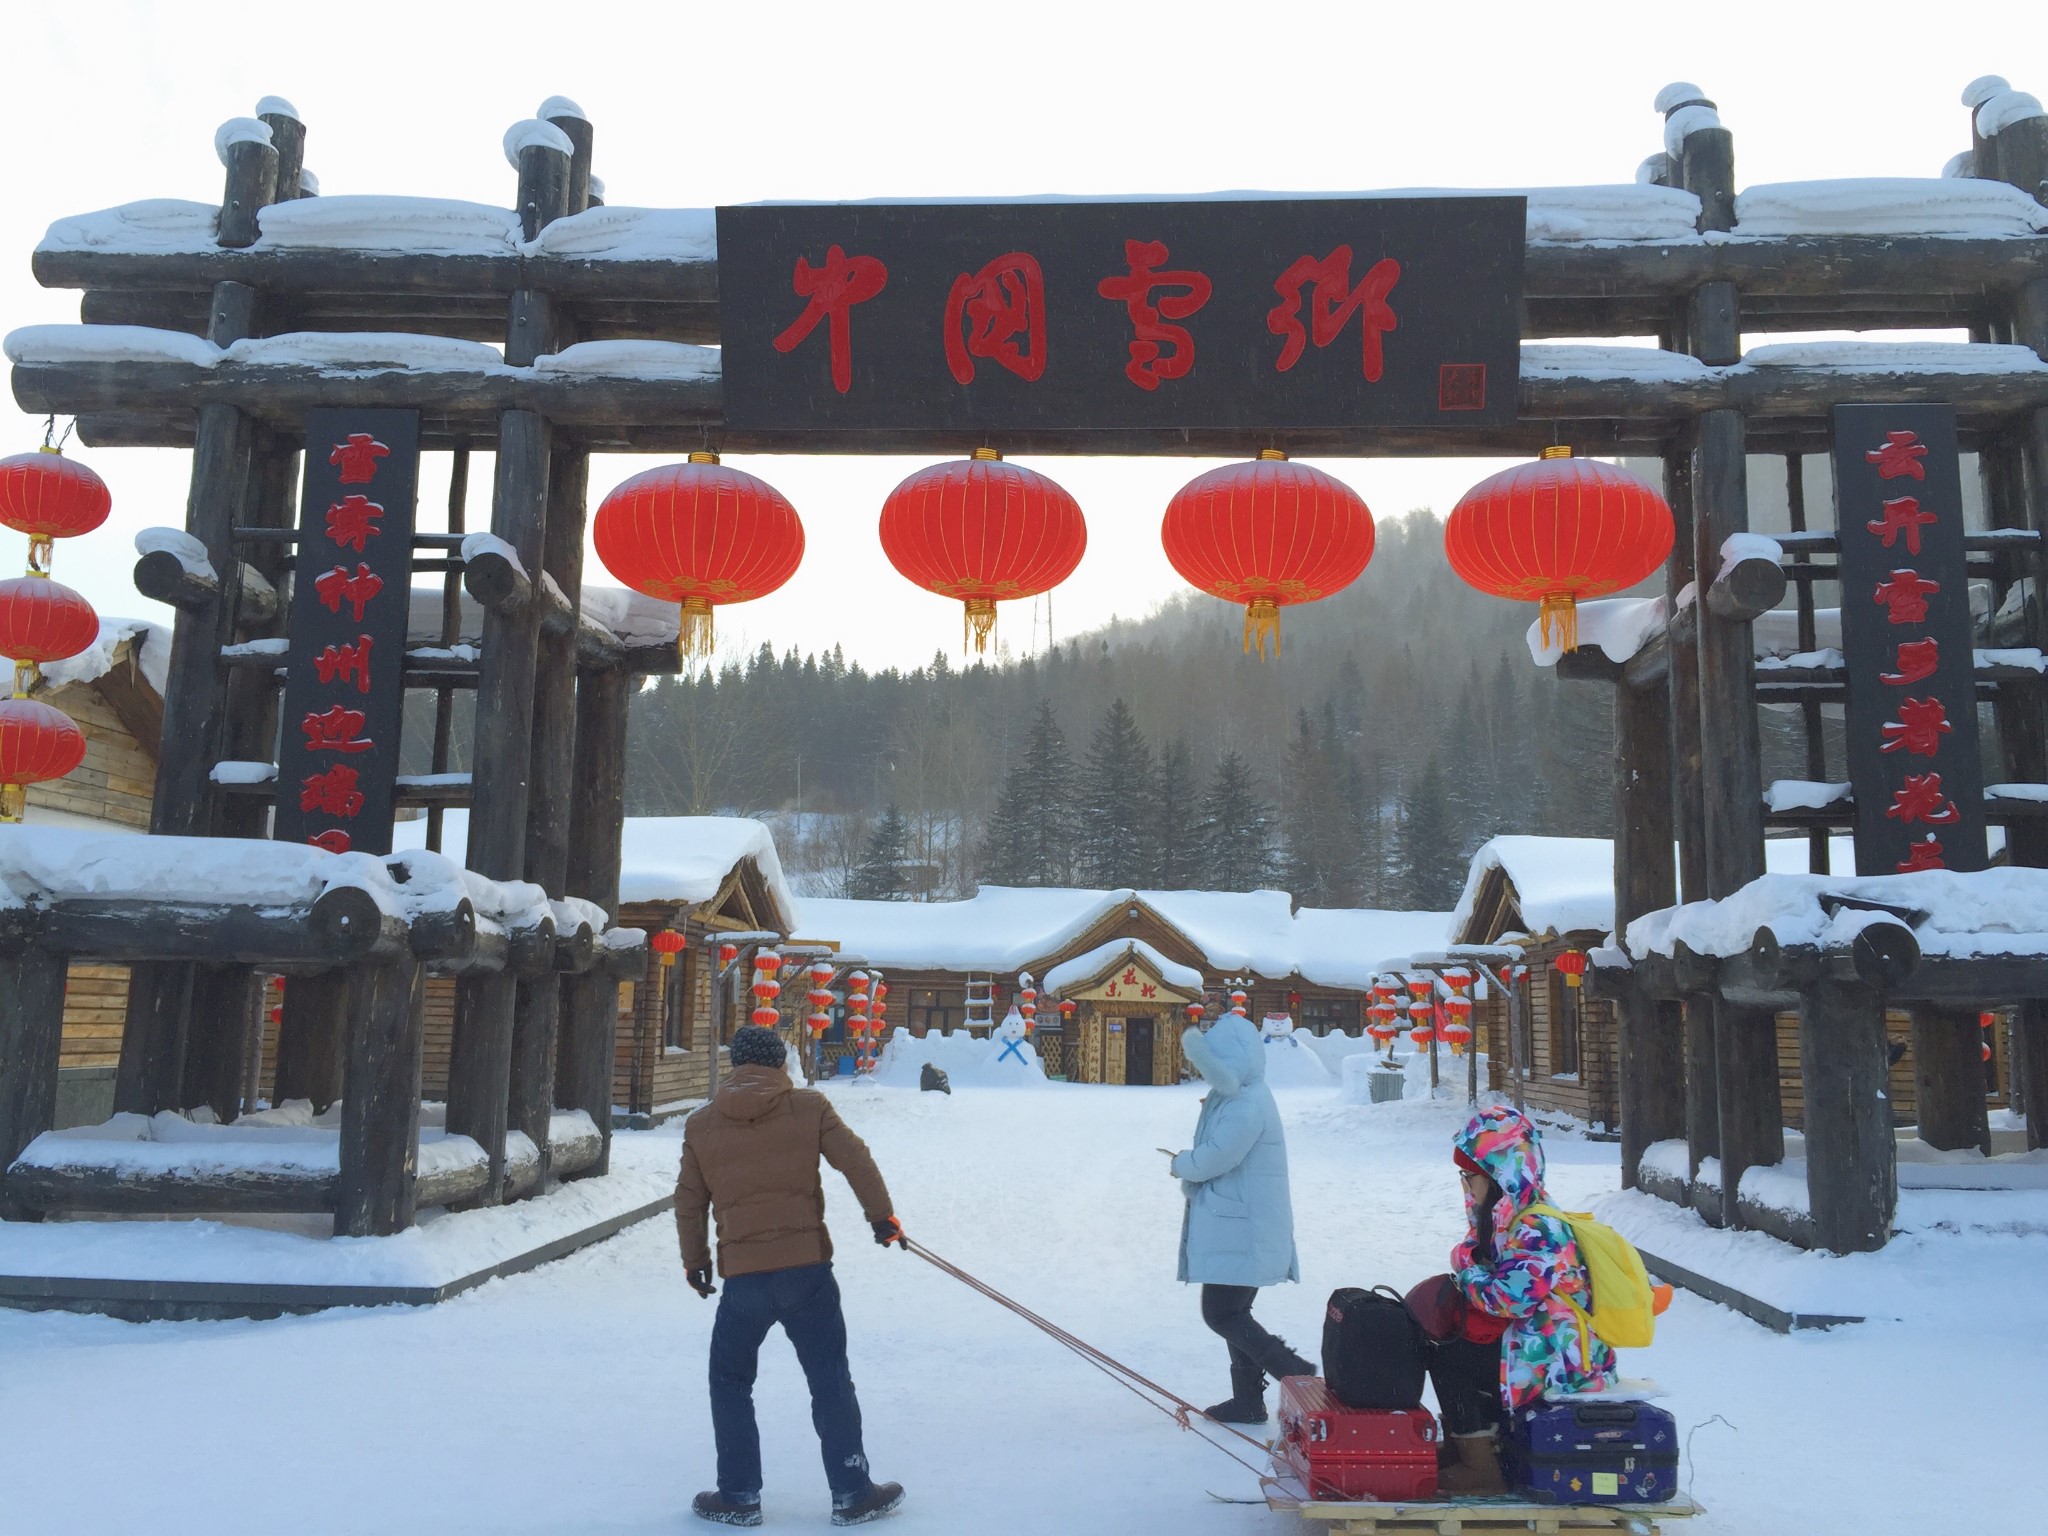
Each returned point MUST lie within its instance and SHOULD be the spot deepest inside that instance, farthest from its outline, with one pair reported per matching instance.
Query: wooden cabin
(703, 877)
(114, 692)
(1548, 895)
(959, 965)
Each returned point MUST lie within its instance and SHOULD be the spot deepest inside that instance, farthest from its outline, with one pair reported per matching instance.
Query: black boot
(881, 1499)
(1247, 1401)
(1292, 1364)
(720, 1510)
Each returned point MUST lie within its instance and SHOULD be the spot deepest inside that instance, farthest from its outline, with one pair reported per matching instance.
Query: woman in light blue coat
(1238, 1233)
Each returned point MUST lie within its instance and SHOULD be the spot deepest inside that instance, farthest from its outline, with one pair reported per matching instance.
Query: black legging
(1227, 1309)
(1467, 1381)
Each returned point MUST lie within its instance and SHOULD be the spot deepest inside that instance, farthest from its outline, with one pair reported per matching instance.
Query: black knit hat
(753, 1046)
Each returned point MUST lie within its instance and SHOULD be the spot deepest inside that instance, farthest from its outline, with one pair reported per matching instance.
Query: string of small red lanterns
(766, 988)
(1027, 1002)
(857, 1014)
(48, 497)
(820, 999)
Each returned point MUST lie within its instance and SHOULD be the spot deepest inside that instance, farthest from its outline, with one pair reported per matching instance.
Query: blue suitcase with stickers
(1592, 1452)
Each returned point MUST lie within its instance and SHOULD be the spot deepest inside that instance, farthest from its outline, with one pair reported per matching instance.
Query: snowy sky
(698, 105)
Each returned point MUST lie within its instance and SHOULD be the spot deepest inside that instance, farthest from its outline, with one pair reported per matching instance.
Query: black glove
(888, 1230)
(700, 1282)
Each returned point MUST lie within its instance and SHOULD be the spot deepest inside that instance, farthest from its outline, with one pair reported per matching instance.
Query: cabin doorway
(1138, 1049)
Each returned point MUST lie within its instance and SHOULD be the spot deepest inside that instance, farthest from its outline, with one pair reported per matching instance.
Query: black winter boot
(881, 1499)
(1247, 1401)
(719, 1510)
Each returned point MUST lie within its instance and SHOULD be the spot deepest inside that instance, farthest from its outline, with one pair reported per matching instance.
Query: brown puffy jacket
(751, 1157)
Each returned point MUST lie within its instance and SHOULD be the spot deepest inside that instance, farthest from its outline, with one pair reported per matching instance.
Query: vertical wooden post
(288, 138)
(568, 117)
(536, 1015)
(1731, 757)
(380, 1113)
(1651, 1049)
(1948, 1078)
(31, 1035)
(312, 1039)
(1809, 709)
(1852, 1178)
(590, 1003)
(451, 631)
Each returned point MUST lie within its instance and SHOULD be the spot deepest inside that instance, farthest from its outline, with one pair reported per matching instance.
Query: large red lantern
(1572, 966)
(1558, 531)
(37, 744)
(47, 496)
(1266, 534)
(42, 620)
(985, 532)
(698, 534)
(667, 943)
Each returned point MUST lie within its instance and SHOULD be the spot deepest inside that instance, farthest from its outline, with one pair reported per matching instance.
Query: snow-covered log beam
(134, 1191)
(344, 926)
(1812, 266)
(1746, 588)
(137, 403)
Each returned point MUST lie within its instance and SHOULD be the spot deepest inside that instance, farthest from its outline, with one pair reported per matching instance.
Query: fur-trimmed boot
(1247, 1401)
(1477, 1469)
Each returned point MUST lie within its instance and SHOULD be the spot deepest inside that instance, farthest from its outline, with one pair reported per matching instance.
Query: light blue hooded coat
(1239, 1227)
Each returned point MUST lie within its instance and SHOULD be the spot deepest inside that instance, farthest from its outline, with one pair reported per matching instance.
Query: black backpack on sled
(1372, 1349)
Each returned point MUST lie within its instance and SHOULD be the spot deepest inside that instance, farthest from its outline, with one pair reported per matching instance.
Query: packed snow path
(572, 1400)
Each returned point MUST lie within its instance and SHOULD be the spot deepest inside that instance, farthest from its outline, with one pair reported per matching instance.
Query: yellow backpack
(1625, 1304)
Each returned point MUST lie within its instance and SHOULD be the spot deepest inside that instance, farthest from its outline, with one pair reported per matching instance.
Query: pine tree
(1116, 809)
(1176, 821)
(1237, 830)
(1007, 848)
(1431, 873)
(1304, 801)
(1050, 780)
(883, 874)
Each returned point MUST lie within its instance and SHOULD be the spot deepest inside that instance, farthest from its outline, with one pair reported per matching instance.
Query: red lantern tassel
(694, 637)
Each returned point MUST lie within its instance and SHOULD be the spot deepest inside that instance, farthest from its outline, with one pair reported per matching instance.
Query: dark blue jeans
(805, 1301)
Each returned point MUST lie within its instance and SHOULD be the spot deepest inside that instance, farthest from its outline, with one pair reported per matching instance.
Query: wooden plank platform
(1475, 1517)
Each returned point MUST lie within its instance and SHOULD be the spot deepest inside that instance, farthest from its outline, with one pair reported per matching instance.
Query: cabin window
(1328, 1015)
(1564, 1027)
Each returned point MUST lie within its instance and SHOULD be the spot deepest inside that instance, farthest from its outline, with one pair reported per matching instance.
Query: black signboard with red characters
(1906, 640)
(337, 761)
(1201, 315)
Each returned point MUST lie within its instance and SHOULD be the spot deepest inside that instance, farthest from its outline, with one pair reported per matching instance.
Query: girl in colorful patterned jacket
(1521, 1276)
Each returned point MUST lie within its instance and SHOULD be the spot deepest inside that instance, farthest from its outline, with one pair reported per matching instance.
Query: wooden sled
(1474, 1516)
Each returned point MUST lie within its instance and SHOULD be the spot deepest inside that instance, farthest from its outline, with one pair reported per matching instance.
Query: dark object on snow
(1372, 1349)
(719, 1510)
(881, 1499)
(753, 1046)
(1247, 1401)
(1344, 1453)
(1594, 1453)
(932, 1080)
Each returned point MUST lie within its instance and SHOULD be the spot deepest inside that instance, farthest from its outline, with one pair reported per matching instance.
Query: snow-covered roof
(1083, 969)
(1888, 205)
(1005, 929)
(152, 654)
(664, 858)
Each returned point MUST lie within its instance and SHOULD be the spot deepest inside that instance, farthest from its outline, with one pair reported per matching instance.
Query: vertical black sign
(1251, 315)
(1906, 639)
(344, 692)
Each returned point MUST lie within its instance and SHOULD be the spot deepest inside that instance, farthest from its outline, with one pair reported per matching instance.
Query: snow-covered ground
(572, 1400)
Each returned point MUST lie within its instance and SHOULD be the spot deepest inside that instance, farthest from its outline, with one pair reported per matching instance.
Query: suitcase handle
(1604, 1413)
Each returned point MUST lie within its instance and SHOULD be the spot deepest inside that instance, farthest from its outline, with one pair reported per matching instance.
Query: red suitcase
(1341, 1453)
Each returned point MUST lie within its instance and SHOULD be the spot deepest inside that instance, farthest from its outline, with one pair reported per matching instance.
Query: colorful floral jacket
(1533, 1266)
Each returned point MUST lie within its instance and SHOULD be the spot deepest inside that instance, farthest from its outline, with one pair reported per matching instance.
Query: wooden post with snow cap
(590, 1002)
(1731, 745)
(565, 115)
(480, 1061)
(1852, 1179)
(288, 138)
(380, 1112)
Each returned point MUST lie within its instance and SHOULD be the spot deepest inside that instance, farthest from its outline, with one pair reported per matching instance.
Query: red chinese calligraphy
(358, 458)
(1004, 300)
(338, 587)
(1920, 798)
(1130, 976)
(335, 731)
(832, 290)
(1919, 729)
(1902, 515)
(1148, 364)
(1916, 663)
(1906, 594)
(334, 840)
(1148, 990)
(343, 663)
(1899, 456)
(1924, 854)
(332, 793)
(352, 521)
(1332, 304)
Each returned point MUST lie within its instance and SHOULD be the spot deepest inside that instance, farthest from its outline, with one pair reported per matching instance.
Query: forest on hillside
(1402, 725)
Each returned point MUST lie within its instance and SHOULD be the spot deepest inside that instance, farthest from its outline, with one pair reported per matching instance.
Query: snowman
(1290, 1062)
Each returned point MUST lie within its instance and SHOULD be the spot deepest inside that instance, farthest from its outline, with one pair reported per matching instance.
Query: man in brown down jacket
(750, 1160)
